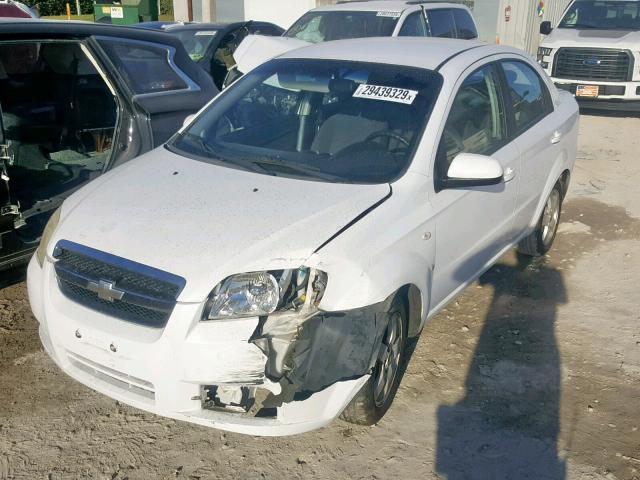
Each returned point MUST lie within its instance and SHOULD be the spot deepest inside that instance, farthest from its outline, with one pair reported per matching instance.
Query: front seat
(341, 130)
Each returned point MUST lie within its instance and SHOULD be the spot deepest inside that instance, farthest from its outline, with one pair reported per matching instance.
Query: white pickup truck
(594, 53)
(381, 18)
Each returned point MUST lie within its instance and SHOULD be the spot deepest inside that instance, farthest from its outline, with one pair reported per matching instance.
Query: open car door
(77, 100)
(159, 77)
(8, 211)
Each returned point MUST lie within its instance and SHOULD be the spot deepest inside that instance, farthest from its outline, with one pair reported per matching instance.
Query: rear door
(534, 125)
(157, 74)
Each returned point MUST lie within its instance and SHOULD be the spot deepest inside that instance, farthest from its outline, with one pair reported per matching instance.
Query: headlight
(41, 252)
(262, 293)
(543, 52)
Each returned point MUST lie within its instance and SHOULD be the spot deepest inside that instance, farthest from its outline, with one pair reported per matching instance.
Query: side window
(145, 67)
(465, 27)
(414, 26)
(441, 23)
(527, 94)
(476, 121)
(265, 30)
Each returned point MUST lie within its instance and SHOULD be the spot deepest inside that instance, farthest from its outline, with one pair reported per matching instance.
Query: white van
(594, 53)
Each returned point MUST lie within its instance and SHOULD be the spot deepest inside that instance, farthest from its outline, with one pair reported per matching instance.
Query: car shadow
(507, 424)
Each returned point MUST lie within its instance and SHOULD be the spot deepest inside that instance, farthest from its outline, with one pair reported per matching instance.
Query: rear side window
(527, 93)
(464, 24)
(441, 23)
(414, 26)
(146, 67)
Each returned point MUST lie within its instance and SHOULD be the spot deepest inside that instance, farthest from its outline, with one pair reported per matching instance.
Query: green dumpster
(125, 12)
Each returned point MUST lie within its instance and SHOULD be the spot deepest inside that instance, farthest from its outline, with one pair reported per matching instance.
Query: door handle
(555, 138)
(509, 174)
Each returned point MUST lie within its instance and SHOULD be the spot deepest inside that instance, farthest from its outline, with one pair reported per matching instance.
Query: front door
(473, 224)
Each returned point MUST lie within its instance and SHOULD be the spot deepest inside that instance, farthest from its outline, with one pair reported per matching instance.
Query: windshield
(195, 42)
(335, 121)
(605, 15)
(318, 27)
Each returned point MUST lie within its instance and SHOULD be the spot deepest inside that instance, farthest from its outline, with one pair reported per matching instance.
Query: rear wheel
(375, 397)
(540, 240)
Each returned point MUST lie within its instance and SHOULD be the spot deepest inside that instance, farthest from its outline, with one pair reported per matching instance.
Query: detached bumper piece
(115, 286)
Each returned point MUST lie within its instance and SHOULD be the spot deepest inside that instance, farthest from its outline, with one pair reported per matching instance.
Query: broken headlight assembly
(262, 293)
(51, 226)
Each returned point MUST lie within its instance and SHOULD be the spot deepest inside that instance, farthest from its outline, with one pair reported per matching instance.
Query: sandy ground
(533, 373)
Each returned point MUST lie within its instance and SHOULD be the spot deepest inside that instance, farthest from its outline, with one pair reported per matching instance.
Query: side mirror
(188, 120)
(472, 170)
(545, 27)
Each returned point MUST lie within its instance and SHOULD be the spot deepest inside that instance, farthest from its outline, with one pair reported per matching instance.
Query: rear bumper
(162, 370)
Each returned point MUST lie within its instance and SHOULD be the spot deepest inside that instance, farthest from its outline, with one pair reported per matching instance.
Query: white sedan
(263, 270)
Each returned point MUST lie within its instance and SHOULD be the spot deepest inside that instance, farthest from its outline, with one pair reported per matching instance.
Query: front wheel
(539, 241)
(375, 397)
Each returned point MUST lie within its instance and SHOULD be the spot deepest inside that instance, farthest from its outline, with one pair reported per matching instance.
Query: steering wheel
(388, 134)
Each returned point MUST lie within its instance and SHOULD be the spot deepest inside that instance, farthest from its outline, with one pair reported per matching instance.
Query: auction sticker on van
(388, 94)
(389, 14)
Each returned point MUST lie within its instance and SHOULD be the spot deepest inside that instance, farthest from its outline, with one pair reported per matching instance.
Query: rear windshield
(195, 42)
(327, 120)
(603, 15)
(316, 27)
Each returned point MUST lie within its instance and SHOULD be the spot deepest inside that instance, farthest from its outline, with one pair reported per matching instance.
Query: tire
(370, 404)
(539, 241)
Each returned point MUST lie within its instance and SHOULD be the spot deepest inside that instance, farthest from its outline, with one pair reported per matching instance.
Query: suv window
(145, 67)
(527, 93)
(414, 26)
(476, 122)
(441, 23)
(465, 27)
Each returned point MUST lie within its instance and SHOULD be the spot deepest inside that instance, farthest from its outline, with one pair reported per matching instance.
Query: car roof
(36, 29)
(213, 26)
(386, 5)
(423, 52)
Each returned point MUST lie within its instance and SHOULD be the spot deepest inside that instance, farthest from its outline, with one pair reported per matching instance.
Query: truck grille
(115, 286)
(598, 64)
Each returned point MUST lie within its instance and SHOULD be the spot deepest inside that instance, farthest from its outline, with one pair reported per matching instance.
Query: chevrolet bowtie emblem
(105, 290)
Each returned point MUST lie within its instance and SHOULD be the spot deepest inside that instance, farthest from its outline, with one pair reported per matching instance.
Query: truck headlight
(543, 52)
(41, 252)
(262, 293)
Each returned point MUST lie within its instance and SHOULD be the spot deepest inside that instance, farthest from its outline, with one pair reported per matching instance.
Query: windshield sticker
(208, 33)
(389, 14)
(388, 94)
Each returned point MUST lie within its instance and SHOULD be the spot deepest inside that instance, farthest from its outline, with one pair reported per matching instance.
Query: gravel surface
(533, 373)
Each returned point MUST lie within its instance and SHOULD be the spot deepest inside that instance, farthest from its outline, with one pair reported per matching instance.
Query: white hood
(254, 50)
(570, 37)
(205, 222)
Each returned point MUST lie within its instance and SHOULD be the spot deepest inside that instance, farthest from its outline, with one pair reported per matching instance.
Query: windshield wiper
(580, 25)
(266, 162)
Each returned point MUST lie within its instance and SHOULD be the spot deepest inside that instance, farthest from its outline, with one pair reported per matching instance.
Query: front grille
(115, 286)
(597, 64)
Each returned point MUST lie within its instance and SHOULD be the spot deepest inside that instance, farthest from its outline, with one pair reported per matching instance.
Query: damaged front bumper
(280, 375)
